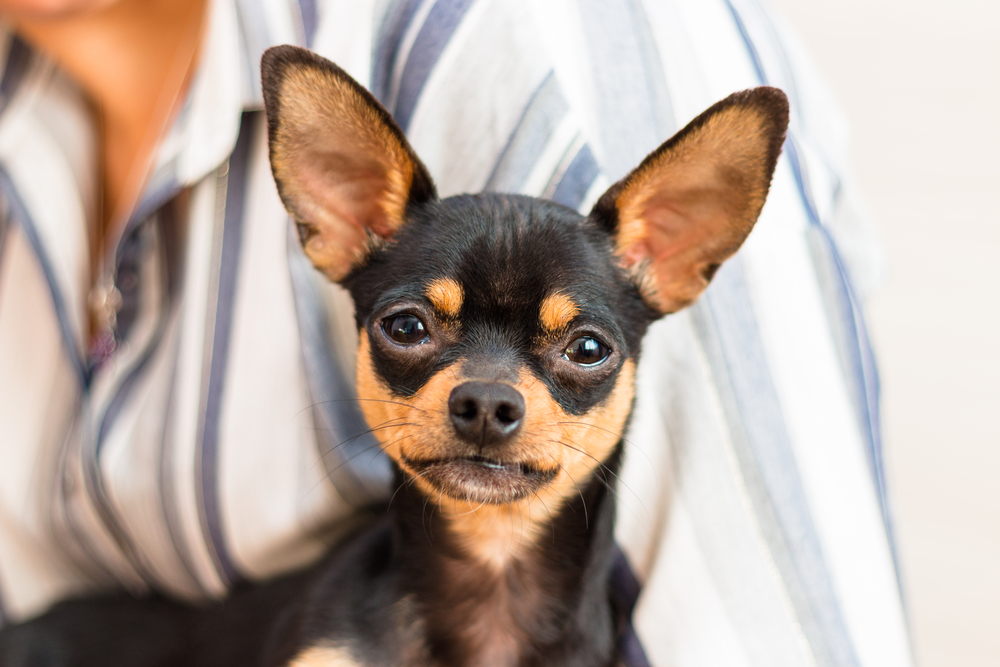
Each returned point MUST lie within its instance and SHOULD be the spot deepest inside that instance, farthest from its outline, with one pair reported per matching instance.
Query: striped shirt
(219, 441)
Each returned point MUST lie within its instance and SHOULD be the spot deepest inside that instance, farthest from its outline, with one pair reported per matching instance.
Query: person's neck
(545, 601)
(132, 59)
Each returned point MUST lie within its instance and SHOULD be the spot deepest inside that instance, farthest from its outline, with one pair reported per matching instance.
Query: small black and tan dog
(499, 336)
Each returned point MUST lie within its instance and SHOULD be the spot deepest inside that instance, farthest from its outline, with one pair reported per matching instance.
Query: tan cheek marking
(557, 311)
(324, 656)
(446, 295)
(595, 434)
(384, 412)
(415, 427)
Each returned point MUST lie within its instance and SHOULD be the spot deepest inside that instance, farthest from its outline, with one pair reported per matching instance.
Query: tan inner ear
(341, 171)
(690, 208)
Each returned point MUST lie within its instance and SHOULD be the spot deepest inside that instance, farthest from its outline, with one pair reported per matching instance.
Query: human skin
(132, 59)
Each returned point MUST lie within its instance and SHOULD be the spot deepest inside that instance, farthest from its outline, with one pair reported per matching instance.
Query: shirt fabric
(219, 441)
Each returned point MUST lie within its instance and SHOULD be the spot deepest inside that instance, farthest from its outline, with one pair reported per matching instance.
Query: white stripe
(39, 164)
(266, 435)
(33, 412)
(827, 445)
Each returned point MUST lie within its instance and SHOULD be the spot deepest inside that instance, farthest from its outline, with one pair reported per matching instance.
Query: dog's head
(499, 333)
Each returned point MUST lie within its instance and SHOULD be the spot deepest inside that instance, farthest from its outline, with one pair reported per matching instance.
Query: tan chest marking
(324, 656)
(557, 311)
(446, 295)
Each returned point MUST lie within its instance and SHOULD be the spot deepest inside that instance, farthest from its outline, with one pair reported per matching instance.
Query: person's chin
(52, 9)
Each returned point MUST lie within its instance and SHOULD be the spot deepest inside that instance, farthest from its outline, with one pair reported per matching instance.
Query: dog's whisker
(550, 522)
(631, 443)
(472, 511)
(583, 502)
(381, 427)
(329, 473)
(408, 480)
(604, 480)
(355, 400)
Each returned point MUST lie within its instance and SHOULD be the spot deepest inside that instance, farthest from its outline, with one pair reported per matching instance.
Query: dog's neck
(515, 584)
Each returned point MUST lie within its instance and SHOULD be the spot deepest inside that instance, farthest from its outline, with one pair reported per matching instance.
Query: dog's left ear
(343, 167)
(692, 202)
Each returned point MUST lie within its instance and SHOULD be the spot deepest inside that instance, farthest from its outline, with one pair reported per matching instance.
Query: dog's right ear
(692, 202)
(344, 169)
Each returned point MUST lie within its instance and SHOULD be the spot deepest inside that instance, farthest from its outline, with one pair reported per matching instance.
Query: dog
(499, 337)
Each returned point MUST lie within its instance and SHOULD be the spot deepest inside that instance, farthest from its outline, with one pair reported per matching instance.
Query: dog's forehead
(504, 271)
(499, 253)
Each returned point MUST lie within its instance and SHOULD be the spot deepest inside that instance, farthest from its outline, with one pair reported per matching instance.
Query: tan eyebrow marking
(446, 295)
(557, 311)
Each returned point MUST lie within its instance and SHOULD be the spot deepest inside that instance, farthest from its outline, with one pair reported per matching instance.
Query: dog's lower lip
(481, 479)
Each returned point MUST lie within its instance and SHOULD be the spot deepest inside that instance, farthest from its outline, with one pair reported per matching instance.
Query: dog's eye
(405, 329)
(586, 351)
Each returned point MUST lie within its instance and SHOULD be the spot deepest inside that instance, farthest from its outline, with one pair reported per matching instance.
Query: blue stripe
(625, 590)
(632, 102)
(728, 327)
(860, 354)
(20, 214)
(307, 8)
(577, 179)
(545, 110)
(431, 41)
(94, 479)
(18, 60)
(343, 435)
(862, 361)
(755, 58)
(168, 498)
(396, 20)
(232, 241)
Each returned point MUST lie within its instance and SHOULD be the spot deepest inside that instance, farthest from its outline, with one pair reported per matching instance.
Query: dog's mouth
(481, 479)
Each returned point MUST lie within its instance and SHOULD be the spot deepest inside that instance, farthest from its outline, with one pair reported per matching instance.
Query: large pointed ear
(692, 202)
(344, 170)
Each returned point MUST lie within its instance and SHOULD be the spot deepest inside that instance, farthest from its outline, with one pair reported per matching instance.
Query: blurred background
(920, 83)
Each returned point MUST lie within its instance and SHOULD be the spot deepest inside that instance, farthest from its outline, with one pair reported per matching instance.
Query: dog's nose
(486, 413)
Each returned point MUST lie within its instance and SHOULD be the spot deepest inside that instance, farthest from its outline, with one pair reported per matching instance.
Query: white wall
(920, 82)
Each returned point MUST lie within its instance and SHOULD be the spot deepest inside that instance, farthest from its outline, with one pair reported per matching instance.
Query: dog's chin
(477, 479)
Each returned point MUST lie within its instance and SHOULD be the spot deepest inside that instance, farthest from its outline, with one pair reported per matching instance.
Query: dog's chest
(475, 618)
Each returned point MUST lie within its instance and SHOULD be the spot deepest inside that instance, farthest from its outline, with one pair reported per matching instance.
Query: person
(175, 396)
